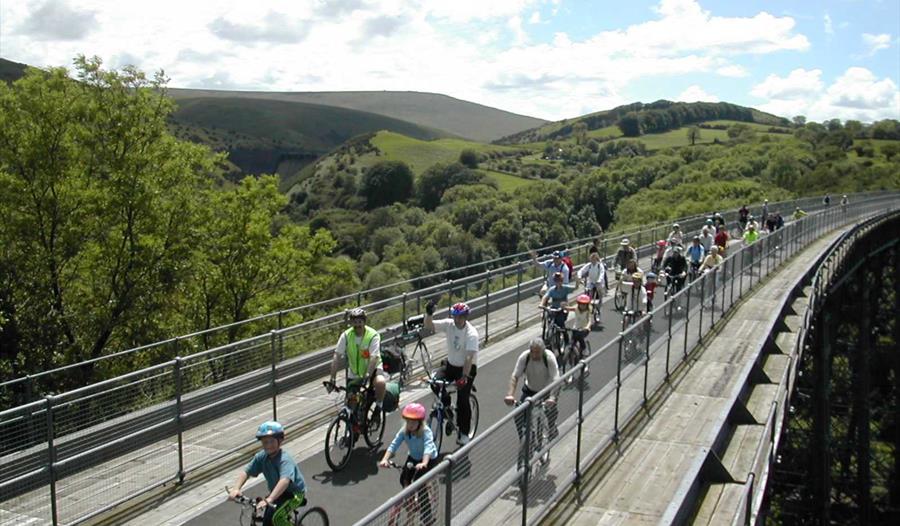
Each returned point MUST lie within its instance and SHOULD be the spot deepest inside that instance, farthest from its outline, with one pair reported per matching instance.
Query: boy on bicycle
(287, 489)
(422, 452)
(556, 298)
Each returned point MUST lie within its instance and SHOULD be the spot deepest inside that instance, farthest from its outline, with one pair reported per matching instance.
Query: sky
(551, 59)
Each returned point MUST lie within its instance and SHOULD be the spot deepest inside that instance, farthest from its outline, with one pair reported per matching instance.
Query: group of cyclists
(677, 258)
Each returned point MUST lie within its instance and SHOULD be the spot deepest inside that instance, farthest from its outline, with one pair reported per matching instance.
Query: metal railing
(489, 482)
(32, 387)
(829, 267)
(167, 413)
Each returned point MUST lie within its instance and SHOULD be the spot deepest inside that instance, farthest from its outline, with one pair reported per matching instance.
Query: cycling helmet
(676, 226)
(651, 275)
(637, 275)
(460, 309)
(625, 242)
(556, 254)
(270, 429)
(583, 298)
(661, 243)
(358, 314)
(414, 411)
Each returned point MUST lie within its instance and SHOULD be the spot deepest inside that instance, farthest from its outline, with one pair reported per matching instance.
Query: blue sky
(547, 58)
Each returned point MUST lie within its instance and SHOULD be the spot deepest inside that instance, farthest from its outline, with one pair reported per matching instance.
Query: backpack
(568, 261)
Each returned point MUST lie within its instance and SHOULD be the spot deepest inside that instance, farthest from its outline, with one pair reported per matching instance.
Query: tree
(693, 134)
(468, 158)
(579, 131)
(799, 120)
(386, 182)
(890, 150)
(436, 180)
(630, 124)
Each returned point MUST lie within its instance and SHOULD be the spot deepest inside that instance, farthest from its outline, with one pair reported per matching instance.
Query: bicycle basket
(392, 360)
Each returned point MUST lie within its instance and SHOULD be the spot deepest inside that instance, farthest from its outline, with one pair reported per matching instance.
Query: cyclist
(798, 214)
(557, 297)
(743, 217)
(360, 346)
(721, 240)
(422, 452)
(712, 260)
(765, 211)
(779, 221)
(625, 254)
(592, 275)
(637, 300)
(551, 266)
(676, 237)
(706, 238)
(581, 325)
(826, 200)
(695, 254)
(287, 489)
(718, 221)
(461, 362)
(676, 268)
(751, 235)
(844, 202)
(771, 223)
(650, 286)
(538, 366)
(660, 253)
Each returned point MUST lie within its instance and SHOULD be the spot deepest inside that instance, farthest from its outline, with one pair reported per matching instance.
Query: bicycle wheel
(374, 428)
(436, 423)
(338, 443)
(314, 516)
(619, 299)
(425, 355)
(473, 406)
(595, 311)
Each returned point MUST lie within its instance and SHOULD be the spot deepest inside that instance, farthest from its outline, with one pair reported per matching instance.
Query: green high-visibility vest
(358, 363)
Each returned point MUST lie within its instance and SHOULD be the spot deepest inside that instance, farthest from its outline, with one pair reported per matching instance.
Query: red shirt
(651, 288)
(722, 238)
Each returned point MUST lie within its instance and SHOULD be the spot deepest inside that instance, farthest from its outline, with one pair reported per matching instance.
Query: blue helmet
(460, 309)
(270, 429)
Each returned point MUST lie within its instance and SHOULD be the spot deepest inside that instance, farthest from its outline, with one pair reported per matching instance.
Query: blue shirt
(557, 295)
(282, 466)
(695, 252)
(418, 446)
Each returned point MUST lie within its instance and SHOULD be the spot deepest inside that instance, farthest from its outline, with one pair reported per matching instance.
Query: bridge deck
(651, 471)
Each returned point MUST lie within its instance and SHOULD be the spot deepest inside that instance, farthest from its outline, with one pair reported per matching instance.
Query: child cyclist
(422, 452)
(287, 489)
(581, 325)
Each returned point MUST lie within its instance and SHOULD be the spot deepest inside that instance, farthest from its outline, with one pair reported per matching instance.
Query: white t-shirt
(581, 319)
(460, 342)
(374, 350)
(592, 273)
(537, 375)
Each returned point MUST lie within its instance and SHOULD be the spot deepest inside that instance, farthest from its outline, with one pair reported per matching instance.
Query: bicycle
(596, 303)
(552, 334)
(395, 359)
(360, 415)
(538, 440)
(312, 516)
(441, 419)
(620, 296)
(570, 356)
(634, 342)
(674, 284)
(404, 512)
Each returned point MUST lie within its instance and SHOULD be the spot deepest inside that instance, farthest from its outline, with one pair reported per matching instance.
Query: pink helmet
(414, 411)
(661, 243)
(583, 298)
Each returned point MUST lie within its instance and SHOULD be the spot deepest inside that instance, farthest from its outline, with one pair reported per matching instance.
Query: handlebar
(247, 501)
(551, 310)
(409, 465)
(333, 386)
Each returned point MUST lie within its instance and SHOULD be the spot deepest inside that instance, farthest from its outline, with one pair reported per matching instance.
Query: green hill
(430, 110)
(656, 117)
(11, 71)
(265, 136)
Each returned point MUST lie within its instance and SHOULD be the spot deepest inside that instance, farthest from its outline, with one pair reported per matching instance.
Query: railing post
(402, 309)
(618, 388)
(273, 335)
(280, 320)
(359, 299)
(487, 305)
(702, 300)
(526, 466)
(649, 322)
(712, 297)
(179, 424)
(741, 280)
(450, 293)
(580, 422)
(687, 319)
(518, 291)
(448, 493)
(669, 338)
(51, 453)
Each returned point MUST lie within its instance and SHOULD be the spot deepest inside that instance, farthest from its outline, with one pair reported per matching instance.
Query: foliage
(386, 182)
(437, 179)
(468, 158)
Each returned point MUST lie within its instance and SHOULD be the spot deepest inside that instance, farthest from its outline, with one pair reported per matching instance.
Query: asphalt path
(362, 486)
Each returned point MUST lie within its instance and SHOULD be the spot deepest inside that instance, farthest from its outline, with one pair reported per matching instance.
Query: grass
(754, 125)
(421, 155)
(507, 182)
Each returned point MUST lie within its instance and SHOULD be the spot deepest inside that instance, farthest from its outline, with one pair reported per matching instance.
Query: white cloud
(829, 28)
(476, 50)
(876, 43)
(857, 94)
(695, 93)
(535, 18)
(733, 70)
(799, 84)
